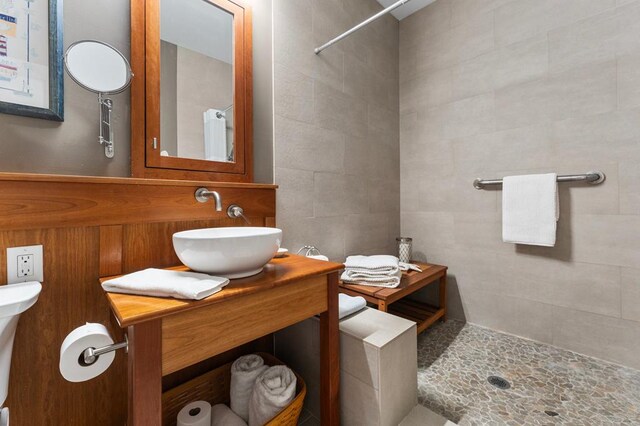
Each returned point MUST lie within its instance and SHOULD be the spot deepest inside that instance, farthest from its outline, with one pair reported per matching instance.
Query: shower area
(490, 89)
(484, 90)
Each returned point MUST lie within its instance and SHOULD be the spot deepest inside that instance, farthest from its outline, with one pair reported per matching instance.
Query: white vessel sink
(14, 300)
(228, 252)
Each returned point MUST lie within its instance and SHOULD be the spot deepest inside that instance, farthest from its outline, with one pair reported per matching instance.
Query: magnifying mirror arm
(106, 135)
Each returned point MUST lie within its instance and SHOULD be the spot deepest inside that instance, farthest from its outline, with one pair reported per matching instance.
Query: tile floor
(455, 360)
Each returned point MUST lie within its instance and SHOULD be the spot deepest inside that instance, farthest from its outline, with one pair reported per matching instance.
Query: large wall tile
(580, 91)
(294, 95)
(465, 117)
(299, 194)
(330, 194)
(614, 339)
(630, 186)
(455, 45)
(512, 149)
(335, 110)
(426, 90)
(521, 19)
(307, 147)
(431, 231)
(368, 233)
(629, 81)
(630, 284)
(606, 239)
(510, 314)
(582, 286)
(462, 11)
(611, 136)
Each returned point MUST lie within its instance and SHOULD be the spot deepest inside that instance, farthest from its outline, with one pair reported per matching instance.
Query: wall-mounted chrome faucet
(203, 195)
(234, 211)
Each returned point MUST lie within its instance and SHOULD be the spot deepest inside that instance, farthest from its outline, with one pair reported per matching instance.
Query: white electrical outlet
(24, 264)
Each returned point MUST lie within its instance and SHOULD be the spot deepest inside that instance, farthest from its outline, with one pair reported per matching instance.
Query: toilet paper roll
(197, 413)
(90, 335)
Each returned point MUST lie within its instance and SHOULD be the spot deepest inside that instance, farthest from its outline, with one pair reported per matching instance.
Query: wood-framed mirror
(191, 98)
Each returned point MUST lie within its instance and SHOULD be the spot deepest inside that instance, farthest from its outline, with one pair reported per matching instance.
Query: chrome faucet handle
(203, 195)
(234, 211)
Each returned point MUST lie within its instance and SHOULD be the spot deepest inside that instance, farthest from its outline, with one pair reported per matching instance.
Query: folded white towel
(378, 265)
(244, 372)
(165, 283)
(374, 280)
(348, 305)
(273, 391)
(530, 209)
(221, 415)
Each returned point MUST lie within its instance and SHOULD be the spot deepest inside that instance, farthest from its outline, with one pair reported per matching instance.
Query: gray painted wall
(489, 89)
(39, 146)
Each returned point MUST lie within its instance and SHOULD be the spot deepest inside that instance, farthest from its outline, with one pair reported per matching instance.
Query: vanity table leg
(145, 374)
(330, 356)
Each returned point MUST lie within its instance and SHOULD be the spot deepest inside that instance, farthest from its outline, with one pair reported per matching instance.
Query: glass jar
(404, 249)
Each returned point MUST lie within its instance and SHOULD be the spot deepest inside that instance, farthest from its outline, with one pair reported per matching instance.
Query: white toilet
(14, 300)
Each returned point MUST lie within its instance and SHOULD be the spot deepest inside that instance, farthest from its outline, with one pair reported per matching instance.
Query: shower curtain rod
(361, 25)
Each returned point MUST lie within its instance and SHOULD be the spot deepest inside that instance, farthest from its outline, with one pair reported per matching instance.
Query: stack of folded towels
(377, 271)
(258, 393)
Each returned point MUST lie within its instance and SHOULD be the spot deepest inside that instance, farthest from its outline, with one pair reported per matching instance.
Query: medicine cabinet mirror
(191, 116)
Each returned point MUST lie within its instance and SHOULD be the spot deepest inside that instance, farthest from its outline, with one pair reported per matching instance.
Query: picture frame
(32, 81)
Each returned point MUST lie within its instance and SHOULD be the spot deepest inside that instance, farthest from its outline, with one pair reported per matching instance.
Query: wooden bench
(393, 300)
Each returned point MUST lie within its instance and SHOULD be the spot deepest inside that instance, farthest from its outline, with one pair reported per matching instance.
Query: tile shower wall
(493, 88)
(336, 127)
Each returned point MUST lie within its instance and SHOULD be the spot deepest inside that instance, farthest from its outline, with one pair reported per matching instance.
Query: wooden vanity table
(166, 335)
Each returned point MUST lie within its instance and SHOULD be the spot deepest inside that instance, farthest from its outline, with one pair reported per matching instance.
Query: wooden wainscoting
(92, 227)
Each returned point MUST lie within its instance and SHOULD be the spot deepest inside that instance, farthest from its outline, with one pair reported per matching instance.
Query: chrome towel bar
(594, 178)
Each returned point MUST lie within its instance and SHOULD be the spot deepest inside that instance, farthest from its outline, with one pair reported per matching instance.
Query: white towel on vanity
(530, 209)
(273, 391)
(348, 305)
(244, 372)
(166, 283)
(221, 415)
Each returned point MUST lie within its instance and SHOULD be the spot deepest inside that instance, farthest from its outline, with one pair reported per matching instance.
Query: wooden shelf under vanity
(167, 335)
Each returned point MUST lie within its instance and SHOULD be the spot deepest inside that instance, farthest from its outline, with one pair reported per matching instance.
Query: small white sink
(228, 252)
(14, 300)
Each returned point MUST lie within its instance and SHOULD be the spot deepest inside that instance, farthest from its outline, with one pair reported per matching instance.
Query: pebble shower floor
(548, 386)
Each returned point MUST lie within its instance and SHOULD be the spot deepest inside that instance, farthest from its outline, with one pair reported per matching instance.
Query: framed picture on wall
(31, 57)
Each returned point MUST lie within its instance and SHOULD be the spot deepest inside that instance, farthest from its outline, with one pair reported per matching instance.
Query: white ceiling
(407, 8)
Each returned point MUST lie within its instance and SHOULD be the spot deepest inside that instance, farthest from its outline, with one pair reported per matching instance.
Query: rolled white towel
(363, 278)
(318, 257)
(348, 305)
(244, 372)
(221, 415)
(374, 265)
(165, 283)
(273, 391)
(409, 267)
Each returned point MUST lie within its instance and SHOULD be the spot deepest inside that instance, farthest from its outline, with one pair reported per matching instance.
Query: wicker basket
(213, 387)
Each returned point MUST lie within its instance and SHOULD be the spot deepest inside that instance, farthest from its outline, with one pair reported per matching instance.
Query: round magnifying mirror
(98, 67)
